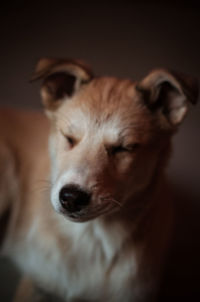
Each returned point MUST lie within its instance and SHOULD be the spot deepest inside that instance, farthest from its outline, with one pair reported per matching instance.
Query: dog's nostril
(73, 199)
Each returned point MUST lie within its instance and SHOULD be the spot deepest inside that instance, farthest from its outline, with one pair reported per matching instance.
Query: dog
(91, 221)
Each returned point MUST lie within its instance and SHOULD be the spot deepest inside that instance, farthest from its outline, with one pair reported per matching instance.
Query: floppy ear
(168, 94)
(61, 79)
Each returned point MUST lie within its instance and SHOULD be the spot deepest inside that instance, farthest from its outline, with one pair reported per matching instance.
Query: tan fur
(114, 248)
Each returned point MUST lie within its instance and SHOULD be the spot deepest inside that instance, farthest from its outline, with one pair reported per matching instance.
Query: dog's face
(110, 138)
(104, 143)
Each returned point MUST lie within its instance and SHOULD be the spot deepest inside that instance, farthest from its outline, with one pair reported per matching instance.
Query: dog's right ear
(61, 78)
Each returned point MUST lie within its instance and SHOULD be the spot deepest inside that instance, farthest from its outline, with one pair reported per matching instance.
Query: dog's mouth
(89, 213)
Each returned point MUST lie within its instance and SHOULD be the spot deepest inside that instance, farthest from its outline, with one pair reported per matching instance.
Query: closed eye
(112, 150)
(71, 140)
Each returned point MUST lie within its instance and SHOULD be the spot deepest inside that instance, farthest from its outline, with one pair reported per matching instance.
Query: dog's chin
(79, 218)
(83, 216)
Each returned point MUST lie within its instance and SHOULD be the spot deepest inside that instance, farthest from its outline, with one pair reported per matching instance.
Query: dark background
(125, 39)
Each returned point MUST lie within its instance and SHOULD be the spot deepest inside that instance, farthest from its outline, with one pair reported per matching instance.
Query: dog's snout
(73, 199)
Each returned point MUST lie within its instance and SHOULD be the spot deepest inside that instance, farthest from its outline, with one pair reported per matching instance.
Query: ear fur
(168, 94)
(61, 79)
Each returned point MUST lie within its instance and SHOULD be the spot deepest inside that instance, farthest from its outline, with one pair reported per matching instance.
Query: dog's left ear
(168, 94)
(61, 78)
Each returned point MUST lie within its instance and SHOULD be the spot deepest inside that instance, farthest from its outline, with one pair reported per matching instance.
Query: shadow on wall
(182, 277)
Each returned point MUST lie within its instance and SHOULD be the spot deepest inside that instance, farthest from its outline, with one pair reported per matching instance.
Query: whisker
(110, 199)
(48, 182)
(40, 189)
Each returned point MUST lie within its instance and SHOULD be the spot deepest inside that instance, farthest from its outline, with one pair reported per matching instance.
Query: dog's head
(110, 138)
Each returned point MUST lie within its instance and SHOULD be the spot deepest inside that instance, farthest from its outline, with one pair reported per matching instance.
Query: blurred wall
(126, 39)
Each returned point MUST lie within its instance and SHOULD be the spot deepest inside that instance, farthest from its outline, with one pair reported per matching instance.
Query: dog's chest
(86, 264)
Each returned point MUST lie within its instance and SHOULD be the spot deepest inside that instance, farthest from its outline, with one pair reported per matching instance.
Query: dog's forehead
(109, 95)
(107, 103)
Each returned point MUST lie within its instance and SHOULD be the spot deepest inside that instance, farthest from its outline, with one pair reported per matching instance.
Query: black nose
(73, 199)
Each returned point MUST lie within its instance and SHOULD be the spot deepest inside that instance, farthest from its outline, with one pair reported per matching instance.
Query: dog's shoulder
(22, 135)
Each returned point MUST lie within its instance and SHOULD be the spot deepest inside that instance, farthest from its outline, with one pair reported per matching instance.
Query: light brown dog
(106, 233)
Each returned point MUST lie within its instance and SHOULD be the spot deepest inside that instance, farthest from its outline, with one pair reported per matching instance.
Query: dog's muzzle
(73, 199)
